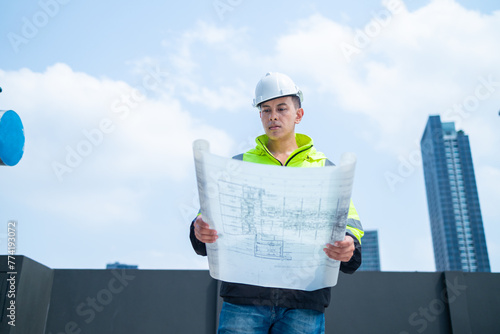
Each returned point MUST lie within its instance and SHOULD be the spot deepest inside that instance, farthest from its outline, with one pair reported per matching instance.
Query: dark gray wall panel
(483, 301)
(33, 289)
(388, 302)
(132, 301)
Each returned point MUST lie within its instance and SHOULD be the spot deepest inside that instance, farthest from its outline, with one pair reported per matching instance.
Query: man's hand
(203, 232)
(341, 250)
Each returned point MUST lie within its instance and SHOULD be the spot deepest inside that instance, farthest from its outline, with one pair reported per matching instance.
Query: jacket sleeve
(199, 247)
(355, 230)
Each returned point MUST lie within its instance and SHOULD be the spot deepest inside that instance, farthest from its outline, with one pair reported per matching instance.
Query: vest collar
(304, 143)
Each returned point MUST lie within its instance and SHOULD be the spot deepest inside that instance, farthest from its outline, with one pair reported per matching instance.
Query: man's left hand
(341, 250)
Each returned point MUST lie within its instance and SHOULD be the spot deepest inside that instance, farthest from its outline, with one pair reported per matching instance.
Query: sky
(112, 95)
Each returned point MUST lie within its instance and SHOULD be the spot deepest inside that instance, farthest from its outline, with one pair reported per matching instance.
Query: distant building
(118, 265)
(452, 198)
(370, 252)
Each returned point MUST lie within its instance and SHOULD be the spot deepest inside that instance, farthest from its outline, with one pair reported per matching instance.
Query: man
(255, 309)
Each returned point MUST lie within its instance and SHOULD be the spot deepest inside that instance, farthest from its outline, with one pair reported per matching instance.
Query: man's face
(279, 116)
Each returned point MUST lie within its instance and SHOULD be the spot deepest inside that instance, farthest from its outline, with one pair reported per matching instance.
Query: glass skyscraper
(452, 198)
(370, 252)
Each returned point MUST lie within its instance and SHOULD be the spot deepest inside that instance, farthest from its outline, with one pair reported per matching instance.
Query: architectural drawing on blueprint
(275, 220)
(272, 229)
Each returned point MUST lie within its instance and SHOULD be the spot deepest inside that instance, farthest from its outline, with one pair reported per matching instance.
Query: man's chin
(273, 135)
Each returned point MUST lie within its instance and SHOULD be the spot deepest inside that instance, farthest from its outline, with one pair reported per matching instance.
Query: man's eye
(265, 110)
(281, 109)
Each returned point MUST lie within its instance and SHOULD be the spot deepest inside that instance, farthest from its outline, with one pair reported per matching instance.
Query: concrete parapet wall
(72, 301)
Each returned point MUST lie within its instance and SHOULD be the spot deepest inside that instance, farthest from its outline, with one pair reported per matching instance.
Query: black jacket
(245, 294)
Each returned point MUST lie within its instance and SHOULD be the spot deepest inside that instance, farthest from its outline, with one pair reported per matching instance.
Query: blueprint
(272, 221)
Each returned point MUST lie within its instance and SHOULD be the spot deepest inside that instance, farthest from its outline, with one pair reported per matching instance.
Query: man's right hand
(203, 232)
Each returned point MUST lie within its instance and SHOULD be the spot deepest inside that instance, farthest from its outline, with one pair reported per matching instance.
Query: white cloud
(209, 87)
(418, 63)
(144, 141)
(139, 135)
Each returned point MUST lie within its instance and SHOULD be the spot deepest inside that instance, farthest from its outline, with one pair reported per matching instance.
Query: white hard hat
(274, 85)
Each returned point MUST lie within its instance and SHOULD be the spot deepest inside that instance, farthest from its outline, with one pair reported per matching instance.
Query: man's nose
(273, 115)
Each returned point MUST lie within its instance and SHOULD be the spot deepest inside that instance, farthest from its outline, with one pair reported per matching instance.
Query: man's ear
(300, 114)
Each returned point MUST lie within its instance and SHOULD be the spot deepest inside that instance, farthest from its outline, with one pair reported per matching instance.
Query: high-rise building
(452, 198)
(371, 254)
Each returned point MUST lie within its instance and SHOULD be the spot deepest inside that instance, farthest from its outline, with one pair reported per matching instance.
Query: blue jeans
(250, 319)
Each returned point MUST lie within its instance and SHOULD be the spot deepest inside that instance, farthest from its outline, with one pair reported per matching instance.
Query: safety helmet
(274, 85)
